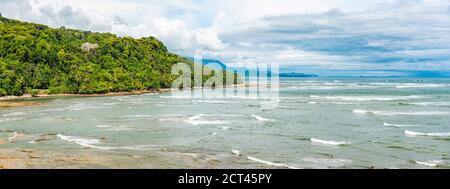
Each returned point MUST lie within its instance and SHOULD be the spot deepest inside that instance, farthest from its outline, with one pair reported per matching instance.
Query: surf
(398, 125)
(194, 120)
(433, 163)
(90, 143)
(271, 163)
(413, 133)
(332, 143)
(394, 113)
(366, 98)
(262, 119)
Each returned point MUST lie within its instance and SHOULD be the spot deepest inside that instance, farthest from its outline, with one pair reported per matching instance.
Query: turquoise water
(319, 123)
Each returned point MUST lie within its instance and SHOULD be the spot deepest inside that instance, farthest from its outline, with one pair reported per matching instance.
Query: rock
(89, 47)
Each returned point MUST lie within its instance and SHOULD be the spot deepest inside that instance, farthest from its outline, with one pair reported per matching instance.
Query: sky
(325, 37)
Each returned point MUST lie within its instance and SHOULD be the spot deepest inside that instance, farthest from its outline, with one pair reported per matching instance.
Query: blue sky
(328, 37)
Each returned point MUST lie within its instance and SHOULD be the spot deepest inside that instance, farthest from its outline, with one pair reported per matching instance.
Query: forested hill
(34, 56)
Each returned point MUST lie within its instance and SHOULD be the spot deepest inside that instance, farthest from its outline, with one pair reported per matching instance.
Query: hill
(37, 57)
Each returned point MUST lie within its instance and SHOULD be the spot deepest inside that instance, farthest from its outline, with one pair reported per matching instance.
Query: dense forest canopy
(36, 57)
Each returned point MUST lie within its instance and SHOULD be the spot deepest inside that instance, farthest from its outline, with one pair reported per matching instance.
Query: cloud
(297, 34)
(406, 36)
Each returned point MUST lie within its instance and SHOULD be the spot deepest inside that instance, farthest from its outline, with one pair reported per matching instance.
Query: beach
(325, 123)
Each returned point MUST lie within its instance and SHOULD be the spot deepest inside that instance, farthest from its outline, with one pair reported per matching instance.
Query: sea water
(318, 123)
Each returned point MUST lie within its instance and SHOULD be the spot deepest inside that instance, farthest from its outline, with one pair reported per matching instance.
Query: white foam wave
(412, 133)
(430, 103)
(271, 163)
(259, 118)
(14, 114)
(328, 162)
(138, 116)
(236, 152)
(170, 119)
(53, 110)
(4, 120)
(393, 113)
(81, 106)
(433, 163)
(334, 103)
(175, 97)
(418, 85)
(326, 142)
(366, 98)
(194, 120)
(110, 104)
(398, 125)
(138, 147)
(211, 101)
(13, 137)
(114, 128)
(197, 122)
(83, 142)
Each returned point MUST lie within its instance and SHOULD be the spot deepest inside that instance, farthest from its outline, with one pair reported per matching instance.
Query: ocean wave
(86, 142)
(194, 120)
(14, 136)
(197, 122)
(14, 114)
(175, 97)
(429, 103)
(259, 118)
(328, 162)
(138, 116)
(8, 119)
(211, 101)
(114, 128)
(366, 98)
(170, 119)
(332, 143)
(93, 143)
(236, 152)
(393, 113)
(245, 97)
(81, 106)
(53, 110)
(314, 87)
(432, 163)
(418, 85)
(110, 104)
(412, 133)
(334, 103)
(271, 163)
(138, 147)
(398, 125)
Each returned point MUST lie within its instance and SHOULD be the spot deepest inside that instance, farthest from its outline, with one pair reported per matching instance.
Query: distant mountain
(219, 64)
(294, 74)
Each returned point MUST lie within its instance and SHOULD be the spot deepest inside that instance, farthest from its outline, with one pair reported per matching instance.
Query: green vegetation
(35, 57)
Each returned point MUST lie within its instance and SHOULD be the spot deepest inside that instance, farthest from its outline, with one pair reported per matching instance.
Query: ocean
(319, 123)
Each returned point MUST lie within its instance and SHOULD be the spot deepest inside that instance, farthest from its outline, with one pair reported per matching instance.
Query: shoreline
(13, 101)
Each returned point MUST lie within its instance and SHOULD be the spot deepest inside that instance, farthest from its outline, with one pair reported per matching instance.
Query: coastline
(14, 101)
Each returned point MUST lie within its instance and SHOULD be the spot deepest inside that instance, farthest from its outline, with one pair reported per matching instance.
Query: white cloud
(341, 34)
(207, 37)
